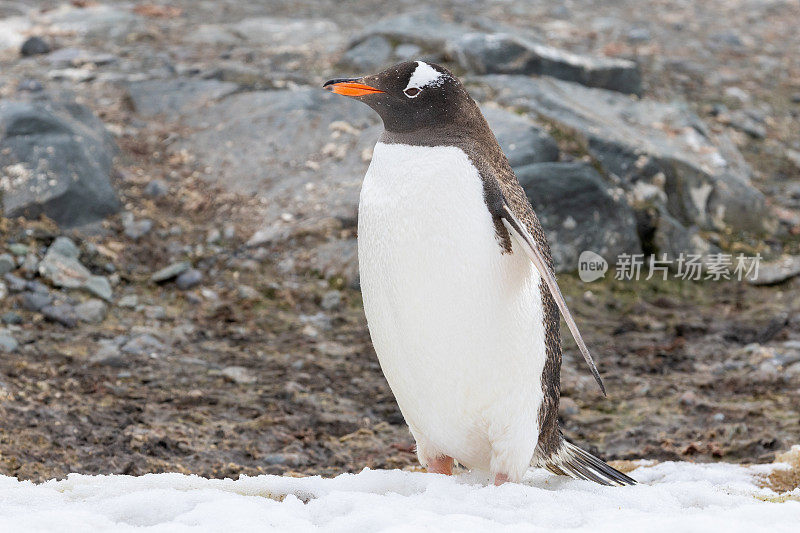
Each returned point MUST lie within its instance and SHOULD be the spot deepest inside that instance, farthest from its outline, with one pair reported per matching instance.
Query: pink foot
(441, 465)
(499, 479)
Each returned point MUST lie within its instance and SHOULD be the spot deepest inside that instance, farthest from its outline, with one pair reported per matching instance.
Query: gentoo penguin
(459, 289)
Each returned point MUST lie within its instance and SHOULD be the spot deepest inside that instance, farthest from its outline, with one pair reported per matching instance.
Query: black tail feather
(569, 460)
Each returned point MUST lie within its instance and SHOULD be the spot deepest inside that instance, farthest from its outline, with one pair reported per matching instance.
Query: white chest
(456, 324)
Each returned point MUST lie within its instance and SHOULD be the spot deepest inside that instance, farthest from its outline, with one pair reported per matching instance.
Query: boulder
(424, 28)
(579, 211)
(305, 149)
(521, 139)
(176, 96)
(371, 54)
(694, 176)
(490, 53)
(56, 160)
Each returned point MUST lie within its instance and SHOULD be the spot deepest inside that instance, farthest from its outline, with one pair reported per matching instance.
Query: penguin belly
(456, 323)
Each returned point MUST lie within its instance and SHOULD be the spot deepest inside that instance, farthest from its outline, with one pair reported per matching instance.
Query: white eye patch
(424, 76)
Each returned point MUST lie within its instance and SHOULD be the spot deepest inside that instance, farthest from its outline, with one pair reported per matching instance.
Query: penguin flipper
(517, 230)
(570, 460)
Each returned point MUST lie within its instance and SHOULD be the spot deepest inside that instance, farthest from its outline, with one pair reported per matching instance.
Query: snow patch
(670, 497)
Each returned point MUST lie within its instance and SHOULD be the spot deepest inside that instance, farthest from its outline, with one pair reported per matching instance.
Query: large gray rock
(289, 34)
(56, 159)
(425, 28)
(579, 211)
(176, 96)
(305, 149)
(521, 139)
(662, 152)
(484, 53)
(369, 55)
(94, 21)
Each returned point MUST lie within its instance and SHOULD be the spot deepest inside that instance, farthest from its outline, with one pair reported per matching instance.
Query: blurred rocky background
(179, 287)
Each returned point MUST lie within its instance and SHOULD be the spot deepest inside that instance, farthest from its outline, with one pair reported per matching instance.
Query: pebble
(11, 318)
(8, 343)
(144, 345)
(129, 301)
(63, 314)
(331, 300)
(568, 407)
(172, 271)
(109, 355)
(18, 248)
(246, 292)
(37, 286)
(136, 229)
(34, 46)
(190, 278)
(65, 247)
(214, 236)
(30, 85)
(15, 283)
(7, 263)
(155, 312)
(99, 286)
(238, 374)
(156, 188)
(34, 301)
(93, 311)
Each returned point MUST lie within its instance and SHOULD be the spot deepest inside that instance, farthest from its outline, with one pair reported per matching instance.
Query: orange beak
(350, 87)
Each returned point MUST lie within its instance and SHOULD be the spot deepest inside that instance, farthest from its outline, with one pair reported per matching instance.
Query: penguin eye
(411, 92)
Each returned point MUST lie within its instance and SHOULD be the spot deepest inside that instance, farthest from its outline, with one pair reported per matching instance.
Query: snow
(673, 497)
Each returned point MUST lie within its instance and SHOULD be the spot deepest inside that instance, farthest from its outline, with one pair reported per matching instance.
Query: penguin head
(409, 96)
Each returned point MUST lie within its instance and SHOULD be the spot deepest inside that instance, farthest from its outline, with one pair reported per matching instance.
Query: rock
(291, 35)
(699, 178)
(777, 272)
(238, 374)
(129, 300)
(144, 345)
(13, 31)
(93, 311)
(64, 247)
(579, 211)
(173, 97)
(370, 55)
(15, 283)
(11, 318)
(246, 292)
(93, 21)
(68, 272)
(8, 343)
(156, 188)
(311, 149)
(34, 46)
(638, 35)
(75, 75)
(522, 141)
(190, 278)
(136, 229)
(424, 28)
(568, 407)
(337, 259)
(3, 291)
(56, 160)
(407, 52)
(18, 248)
(672, 239)
(37, 286)
(484, 53)
(34, 301)
(172, 271)
(63, 314)
(109, 355)
(331, 300)
(155, 312)
(745, 123)
(7, 263)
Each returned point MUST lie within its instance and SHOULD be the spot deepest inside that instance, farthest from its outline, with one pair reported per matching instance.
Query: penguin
(458, 285)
